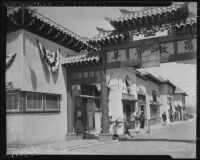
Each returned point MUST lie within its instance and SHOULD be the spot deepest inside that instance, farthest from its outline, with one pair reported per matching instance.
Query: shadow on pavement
(168, 140)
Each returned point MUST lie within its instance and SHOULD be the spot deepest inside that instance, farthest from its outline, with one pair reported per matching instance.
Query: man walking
(164, 118)
(142, 119)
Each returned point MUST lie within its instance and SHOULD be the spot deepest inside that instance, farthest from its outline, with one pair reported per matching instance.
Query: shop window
(22, 101)
(34, 102)
(12, 101)
(154, 95)
(51, 102)
(153, 111)
(141, 98)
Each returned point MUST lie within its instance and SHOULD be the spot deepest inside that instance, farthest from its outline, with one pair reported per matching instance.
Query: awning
(141, 103)
(155, 103)
(128, 97)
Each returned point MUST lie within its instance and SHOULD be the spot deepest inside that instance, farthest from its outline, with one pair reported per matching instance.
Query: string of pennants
(10, 58)
(51, 59)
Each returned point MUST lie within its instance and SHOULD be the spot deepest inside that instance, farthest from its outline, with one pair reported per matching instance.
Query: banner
(151, 56)
(51, 59)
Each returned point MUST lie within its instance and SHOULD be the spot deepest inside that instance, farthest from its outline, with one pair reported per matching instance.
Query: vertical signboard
(187, 46)
(166, 49)
(151, 56)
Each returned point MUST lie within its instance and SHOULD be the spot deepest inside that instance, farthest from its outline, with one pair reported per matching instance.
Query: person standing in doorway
(137, 121)
(142, 119)
(164, 118)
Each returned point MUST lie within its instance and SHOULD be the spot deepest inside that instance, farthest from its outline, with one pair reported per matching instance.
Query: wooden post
(104, 136)
(104, 103)
(70, 110)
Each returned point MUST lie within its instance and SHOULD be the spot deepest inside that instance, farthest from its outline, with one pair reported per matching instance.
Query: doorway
(128, 109)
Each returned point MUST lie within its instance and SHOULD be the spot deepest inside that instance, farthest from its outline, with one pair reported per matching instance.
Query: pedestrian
(164, 118)
(136, 117)
(142, 119)
(116, 126)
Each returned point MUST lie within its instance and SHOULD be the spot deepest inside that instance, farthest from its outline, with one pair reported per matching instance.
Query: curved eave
(106, 41)
(186, 27)
(88, 61)
(44, 28)
(151, 18)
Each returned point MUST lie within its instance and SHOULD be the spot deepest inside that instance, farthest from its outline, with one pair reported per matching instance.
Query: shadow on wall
(64, 73)
(12, 37)
(44, 67)
(33, 79)
(55, 75)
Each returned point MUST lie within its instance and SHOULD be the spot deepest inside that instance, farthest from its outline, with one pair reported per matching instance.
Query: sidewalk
(144, 131)
(66, 146)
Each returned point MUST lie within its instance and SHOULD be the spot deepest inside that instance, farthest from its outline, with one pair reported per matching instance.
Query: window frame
(46, 109)
(18, 98)
(35, 110)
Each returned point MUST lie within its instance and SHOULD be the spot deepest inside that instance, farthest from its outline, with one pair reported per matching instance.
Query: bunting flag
(51, 59)
(10, 58)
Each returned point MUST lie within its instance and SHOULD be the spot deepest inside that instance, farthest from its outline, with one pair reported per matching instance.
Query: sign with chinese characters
(151, 56)
(116, 56)
(187, 46)
(134, 53)
(166, 49)
(151, 32)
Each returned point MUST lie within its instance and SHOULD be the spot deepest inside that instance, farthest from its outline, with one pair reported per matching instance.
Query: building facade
(179, 103)
(54, 76)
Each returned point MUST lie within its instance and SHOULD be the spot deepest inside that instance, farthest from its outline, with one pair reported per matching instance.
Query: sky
(182, 74)
(84, 20)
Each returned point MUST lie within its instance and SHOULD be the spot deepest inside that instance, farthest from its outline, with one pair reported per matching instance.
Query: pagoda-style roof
(190, 24)
(33, 21)
(175, 18)
(149, 16)
(106, 38)
(180, 91)
(84, 59)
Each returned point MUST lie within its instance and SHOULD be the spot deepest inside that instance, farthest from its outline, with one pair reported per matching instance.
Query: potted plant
(79, 128)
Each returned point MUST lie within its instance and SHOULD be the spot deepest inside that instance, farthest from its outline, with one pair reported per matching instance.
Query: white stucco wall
(118, 86)
(32, 74)
(14, 44)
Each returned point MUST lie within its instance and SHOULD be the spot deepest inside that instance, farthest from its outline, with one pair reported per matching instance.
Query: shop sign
(116, 56)
(151, 56)
(187, 46)
(150, 32)
(166, 48)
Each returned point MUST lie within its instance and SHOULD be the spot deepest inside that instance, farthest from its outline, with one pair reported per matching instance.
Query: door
(90, 115)
(86, 112)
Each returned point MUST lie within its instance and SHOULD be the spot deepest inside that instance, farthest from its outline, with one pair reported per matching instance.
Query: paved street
(176, 140)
